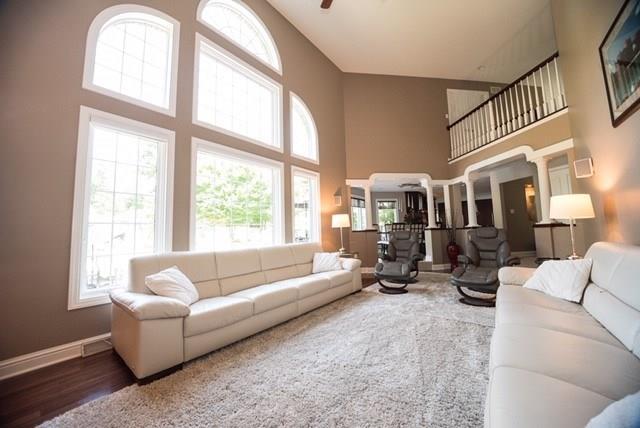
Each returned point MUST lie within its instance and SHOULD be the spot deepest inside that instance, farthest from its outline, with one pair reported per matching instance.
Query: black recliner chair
(486, 251)
(399, 267)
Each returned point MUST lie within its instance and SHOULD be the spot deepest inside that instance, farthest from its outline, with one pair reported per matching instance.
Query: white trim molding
(45, 357)
(250, 16)
(83, 171)
(152, 15)
(295, 98)
(316, 216)
(218, 53)
(198, 144)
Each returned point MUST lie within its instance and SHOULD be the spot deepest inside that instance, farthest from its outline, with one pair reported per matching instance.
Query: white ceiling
(490, 40)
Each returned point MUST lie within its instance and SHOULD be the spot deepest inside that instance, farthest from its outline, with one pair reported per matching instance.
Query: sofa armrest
(149, 306)
(515, 275)
(351, 264)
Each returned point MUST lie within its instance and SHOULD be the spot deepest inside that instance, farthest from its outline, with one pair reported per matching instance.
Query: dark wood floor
(32, 398)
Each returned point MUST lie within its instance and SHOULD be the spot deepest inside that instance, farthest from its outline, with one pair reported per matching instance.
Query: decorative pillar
(431, 209)
(448, 217)
(496, 201)
(368, 206)
(471, 203)
(544, 188)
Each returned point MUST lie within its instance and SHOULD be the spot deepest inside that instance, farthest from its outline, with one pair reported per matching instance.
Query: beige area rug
(417, 359)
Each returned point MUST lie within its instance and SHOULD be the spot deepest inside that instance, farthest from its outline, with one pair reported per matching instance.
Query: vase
(453, 251)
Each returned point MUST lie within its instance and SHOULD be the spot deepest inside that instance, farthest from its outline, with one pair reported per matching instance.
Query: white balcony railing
(537, 94)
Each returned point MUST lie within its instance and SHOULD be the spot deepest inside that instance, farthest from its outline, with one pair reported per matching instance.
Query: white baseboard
(443, 266)
(46, 357)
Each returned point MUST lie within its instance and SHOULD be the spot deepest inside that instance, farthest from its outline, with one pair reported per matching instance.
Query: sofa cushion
(239, 270)
(216, 312)
(608, 370)
(336, 277)
(524, 399)
(199, 267)
(517, 294)
(579, 323)
(269, 296)
(615, 302)
(278, 263)
(308, 285)
(303, 256)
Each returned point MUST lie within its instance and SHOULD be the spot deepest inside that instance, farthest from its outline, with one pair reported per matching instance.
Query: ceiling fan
(326, 4)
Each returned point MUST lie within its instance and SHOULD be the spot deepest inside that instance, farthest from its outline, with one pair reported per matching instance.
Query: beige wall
(615, 188)
(42, 49)
(398, 124)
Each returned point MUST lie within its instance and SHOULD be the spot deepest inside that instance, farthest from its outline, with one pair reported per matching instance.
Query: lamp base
(342, 250)
(574, 257)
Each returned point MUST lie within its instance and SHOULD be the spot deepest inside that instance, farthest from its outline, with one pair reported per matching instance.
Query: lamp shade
(340, 220)
(571, 206)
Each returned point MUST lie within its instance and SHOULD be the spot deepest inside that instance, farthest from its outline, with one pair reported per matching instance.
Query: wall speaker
(583, 167)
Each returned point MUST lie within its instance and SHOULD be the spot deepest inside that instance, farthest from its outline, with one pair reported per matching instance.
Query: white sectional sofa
(241, 293)
(558, 364)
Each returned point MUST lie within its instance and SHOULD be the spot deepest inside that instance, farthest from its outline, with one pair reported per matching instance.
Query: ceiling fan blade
(326, 4)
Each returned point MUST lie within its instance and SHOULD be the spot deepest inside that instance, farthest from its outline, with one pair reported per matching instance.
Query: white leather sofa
(241, 293)
(558, 364)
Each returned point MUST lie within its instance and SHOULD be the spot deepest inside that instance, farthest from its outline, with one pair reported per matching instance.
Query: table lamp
(340, 221)
(572, 206)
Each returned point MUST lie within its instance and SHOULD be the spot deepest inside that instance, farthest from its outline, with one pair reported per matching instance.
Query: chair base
(489, 302)
(385, 289)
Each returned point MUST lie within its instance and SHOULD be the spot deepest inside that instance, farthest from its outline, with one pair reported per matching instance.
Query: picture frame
(620, 60)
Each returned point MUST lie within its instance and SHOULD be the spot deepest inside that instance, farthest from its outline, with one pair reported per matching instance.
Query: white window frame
(252, 16)
(197, 145)
(315, 214)
(237, 64)
(164, 197)
(397, 209)
(364, 213)
(292, 96)
(90, 56)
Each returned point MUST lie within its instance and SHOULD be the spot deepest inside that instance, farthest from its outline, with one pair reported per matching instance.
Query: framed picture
(620, 56)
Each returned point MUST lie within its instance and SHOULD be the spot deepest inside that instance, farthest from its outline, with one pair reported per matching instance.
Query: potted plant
(453, 249)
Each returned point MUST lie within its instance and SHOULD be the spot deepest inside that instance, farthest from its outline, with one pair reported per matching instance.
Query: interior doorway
(519, 205)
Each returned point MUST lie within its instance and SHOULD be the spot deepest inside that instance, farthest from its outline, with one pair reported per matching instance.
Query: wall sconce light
(337, 197)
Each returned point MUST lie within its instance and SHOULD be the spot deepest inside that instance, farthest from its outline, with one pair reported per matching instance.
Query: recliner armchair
(400, 264)
(486, 251)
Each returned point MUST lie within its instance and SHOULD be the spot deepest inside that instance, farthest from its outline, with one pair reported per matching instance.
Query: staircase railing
(534, 96)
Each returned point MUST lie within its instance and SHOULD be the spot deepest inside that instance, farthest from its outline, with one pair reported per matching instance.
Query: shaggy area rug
(417, 359)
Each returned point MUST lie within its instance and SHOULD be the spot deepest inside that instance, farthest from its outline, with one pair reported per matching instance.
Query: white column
(544, 188)
(368, 207)
(471, 203)
(496, 201)
(448, 216)
(431, 209)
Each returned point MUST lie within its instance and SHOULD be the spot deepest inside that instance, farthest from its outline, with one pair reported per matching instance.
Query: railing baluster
(532, 113)
(561, 102)
(552, 98)
(545, 105)
(491, 121)
(522, 102)
(513, 110)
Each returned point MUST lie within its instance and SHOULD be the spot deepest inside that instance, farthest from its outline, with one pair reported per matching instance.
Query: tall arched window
(132, 54)
(235, 21)
(304, 136)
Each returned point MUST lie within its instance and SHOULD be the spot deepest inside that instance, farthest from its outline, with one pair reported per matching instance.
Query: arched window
(235, 21)
(132, 55)
(304, 136)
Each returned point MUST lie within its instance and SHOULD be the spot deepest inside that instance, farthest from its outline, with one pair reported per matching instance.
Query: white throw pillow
(325, 262)
(624, 413)
(173, 283)
(565, 279)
